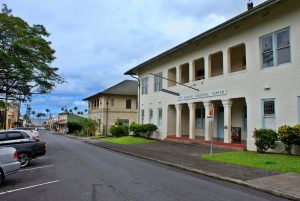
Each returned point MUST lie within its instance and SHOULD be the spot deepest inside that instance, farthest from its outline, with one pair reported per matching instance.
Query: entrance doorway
(220, 123)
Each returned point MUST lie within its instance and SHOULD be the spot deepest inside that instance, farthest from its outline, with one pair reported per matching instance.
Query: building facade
(117, 102)
(247, 69)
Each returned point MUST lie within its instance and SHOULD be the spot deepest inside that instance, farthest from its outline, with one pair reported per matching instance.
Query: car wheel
(23, 159)
(1, 178)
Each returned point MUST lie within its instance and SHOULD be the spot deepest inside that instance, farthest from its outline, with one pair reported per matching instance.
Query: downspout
(139, 96)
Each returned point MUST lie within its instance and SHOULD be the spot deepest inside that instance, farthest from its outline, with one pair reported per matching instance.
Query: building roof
(203, 35)
(126, 87)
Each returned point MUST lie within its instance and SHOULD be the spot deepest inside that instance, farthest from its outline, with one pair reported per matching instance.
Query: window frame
(128, 100)
(142, 116)
(158, 82)
(275, 48)
(263, 111)
(145, 85)
(150, 115)
(159, 117)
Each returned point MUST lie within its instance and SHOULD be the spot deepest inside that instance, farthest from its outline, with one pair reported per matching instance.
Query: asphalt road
(73, 170)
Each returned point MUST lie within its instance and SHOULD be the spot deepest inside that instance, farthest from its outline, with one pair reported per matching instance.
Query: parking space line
(40, 158)
(28, 187)
(46, 166)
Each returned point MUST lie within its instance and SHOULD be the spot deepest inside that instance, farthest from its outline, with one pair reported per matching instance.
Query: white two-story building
(247, 69)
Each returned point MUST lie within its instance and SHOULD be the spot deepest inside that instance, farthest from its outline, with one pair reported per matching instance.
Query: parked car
(26, 147)
(34, 132)
(8, 162)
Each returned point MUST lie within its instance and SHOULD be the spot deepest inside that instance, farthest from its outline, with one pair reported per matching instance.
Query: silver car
(8, 162)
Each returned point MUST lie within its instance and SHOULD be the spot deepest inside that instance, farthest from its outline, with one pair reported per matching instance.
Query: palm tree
(33, 113)
(75, 108)
(47, 110)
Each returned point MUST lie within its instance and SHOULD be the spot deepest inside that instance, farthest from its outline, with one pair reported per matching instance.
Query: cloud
(97, 41)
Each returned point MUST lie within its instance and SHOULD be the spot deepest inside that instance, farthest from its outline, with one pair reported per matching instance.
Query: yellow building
(116, 102)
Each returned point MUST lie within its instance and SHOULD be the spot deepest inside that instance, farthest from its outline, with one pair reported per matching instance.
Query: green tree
(25, 58)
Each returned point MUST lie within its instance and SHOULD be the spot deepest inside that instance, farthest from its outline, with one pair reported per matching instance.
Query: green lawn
(98, 137)
(129, 140)
(278, 162)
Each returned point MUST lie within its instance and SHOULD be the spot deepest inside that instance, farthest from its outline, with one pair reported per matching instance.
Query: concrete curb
(209, 174)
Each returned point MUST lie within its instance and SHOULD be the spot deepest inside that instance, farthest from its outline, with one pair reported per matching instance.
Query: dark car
(26, 147)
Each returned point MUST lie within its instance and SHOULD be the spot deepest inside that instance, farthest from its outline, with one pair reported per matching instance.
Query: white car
(31, 131)
(8, 162)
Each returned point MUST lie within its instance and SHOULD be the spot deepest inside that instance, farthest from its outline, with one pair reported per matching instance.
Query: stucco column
(178, 119)
(206, 67)
(225, 62)
(178, 74)
(191, 72)
(192, 121)
(227, 120)
(207, 106)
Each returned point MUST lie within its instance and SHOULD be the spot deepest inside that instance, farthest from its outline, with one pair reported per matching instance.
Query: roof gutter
(204, 34)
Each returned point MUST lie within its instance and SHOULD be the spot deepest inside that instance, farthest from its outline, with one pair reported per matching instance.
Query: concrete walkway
(187, 157)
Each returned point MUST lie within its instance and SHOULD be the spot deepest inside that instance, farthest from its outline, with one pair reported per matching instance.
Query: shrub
(265, 139)
(136, 129)
(89, 127)
(289, 136)
(119, 130)
(143, 130)
(148, 130)
(297, 131)
(74, 127)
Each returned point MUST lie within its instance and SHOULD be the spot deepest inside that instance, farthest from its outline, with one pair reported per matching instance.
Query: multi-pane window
(128, 103)
(269, 108)
(158, 81)
(150, 115)
(283, 47)
(200, 118)
(269, 120)
(145, 85)
(275, 48)
(142, 115)
(159, 119)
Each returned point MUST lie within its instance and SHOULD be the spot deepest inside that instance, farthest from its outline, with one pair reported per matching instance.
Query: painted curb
(209, 174)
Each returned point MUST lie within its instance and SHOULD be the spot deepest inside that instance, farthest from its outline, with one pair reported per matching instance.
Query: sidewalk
(187, 157)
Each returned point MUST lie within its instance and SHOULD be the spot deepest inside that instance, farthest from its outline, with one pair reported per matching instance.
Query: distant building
(61, 125)
(12, 116)
(116, 102)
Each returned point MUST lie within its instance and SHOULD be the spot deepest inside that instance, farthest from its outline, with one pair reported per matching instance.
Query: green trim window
(142, 116)
(159, 119)
(145, 85)
(275, 48)
(158, 81)
(268, 114)
(150, 115)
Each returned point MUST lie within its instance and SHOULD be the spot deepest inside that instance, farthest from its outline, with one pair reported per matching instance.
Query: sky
(96, 41)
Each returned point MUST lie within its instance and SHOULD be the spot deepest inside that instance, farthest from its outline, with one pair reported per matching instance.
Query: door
(220, 122)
